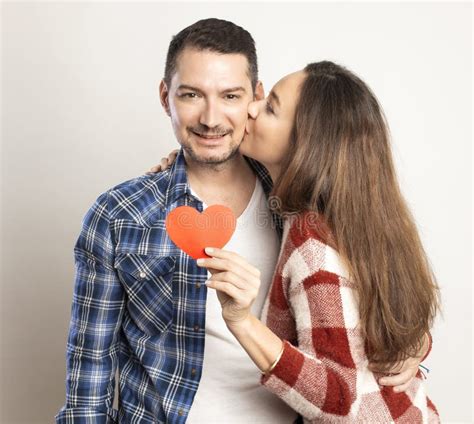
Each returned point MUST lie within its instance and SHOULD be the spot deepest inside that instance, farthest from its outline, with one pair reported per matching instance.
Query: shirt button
(196, 328)
(180, 412)
(198, 285)
(193, 371)
(142, 275)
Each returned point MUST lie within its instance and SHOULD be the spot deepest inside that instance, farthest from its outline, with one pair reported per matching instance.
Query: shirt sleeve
(319, 377)
(96, 315)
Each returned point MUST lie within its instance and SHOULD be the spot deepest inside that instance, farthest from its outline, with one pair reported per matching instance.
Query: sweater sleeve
(317, 377)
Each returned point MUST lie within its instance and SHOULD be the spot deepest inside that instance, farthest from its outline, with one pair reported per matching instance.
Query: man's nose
(211, 115)
(254, 108)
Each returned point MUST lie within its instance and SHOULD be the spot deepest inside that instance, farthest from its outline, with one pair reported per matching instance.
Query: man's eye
(232, 96)
(268, 108)
(188, 95)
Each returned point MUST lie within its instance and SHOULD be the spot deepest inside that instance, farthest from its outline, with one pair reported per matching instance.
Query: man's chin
(211, 158)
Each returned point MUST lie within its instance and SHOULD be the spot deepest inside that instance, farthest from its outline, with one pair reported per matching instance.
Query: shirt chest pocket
(147, 280)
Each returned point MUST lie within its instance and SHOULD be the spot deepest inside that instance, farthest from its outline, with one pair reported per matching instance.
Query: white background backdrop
(80, 113)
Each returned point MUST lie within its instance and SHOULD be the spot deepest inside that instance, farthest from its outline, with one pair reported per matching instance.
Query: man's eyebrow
(274, 96)
(227, 90)
(234, 89)
(188, 87)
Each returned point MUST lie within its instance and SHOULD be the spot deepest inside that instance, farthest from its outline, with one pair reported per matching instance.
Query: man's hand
(165, 163)
(401, 374)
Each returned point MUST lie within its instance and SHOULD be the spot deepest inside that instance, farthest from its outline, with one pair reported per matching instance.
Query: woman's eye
(268, 108)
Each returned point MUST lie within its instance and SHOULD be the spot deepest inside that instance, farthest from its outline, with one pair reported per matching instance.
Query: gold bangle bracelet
(272, 366)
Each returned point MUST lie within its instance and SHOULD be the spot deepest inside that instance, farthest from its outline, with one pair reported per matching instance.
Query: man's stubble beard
(212, 162)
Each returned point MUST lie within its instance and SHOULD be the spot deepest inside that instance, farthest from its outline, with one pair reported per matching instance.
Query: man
(140, 304)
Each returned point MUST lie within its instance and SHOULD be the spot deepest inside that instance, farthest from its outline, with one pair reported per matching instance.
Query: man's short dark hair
(215, 35)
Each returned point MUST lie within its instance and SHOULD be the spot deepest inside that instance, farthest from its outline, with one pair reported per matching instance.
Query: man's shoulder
(137, 197)
(140, 184)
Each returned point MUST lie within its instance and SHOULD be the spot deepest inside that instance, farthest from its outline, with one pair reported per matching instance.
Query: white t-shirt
(230, 391)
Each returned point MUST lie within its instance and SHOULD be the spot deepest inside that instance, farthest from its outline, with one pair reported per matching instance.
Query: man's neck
(230, 183)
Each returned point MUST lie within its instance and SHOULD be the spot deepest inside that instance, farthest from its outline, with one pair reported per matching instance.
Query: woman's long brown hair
(340, 166)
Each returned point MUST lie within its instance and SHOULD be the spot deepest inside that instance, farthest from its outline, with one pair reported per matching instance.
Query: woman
(353, 284)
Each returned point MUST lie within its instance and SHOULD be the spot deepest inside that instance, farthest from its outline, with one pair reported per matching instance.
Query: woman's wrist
(263, 346)
(275, 362)
(240, 327)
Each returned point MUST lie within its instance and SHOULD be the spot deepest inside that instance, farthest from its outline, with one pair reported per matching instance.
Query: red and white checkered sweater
(323, 372)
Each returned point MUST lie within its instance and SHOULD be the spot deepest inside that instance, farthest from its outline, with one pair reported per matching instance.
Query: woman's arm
(261, 344)
(315, 387)
(237, 284)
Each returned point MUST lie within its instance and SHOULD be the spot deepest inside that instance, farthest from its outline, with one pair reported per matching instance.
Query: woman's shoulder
(309, 247)
(308, 225)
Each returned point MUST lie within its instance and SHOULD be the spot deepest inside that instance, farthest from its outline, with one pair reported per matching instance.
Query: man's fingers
(394, 368)
(409, 364)
(398, 379)
(402, 388)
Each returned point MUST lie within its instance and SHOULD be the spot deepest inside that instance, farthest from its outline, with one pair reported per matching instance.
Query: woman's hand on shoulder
(165, 163)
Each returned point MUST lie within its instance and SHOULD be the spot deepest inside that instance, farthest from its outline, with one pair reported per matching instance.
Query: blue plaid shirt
(139, 304)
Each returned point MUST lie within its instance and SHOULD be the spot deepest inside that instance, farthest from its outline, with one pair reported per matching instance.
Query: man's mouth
(210, 136)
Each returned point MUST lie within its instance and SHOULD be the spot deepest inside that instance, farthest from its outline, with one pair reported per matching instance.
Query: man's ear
(164, 97)
(259, 91)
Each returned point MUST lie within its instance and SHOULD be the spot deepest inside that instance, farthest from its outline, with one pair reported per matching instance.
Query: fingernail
(200, 261)
(209, 249)
(207, 282)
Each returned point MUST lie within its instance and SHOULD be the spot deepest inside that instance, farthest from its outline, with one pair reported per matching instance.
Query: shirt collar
(178, 183)
(262, 173)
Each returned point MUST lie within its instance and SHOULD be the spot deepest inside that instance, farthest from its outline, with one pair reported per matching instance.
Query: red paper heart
(192, 231)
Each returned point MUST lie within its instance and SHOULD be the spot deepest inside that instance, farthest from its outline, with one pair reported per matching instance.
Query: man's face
(207, 101)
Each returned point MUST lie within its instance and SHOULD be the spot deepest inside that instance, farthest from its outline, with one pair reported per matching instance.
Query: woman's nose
(253, 109)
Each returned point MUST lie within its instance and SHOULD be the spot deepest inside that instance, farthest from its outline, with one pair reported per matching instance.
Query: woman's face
(267, 134)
